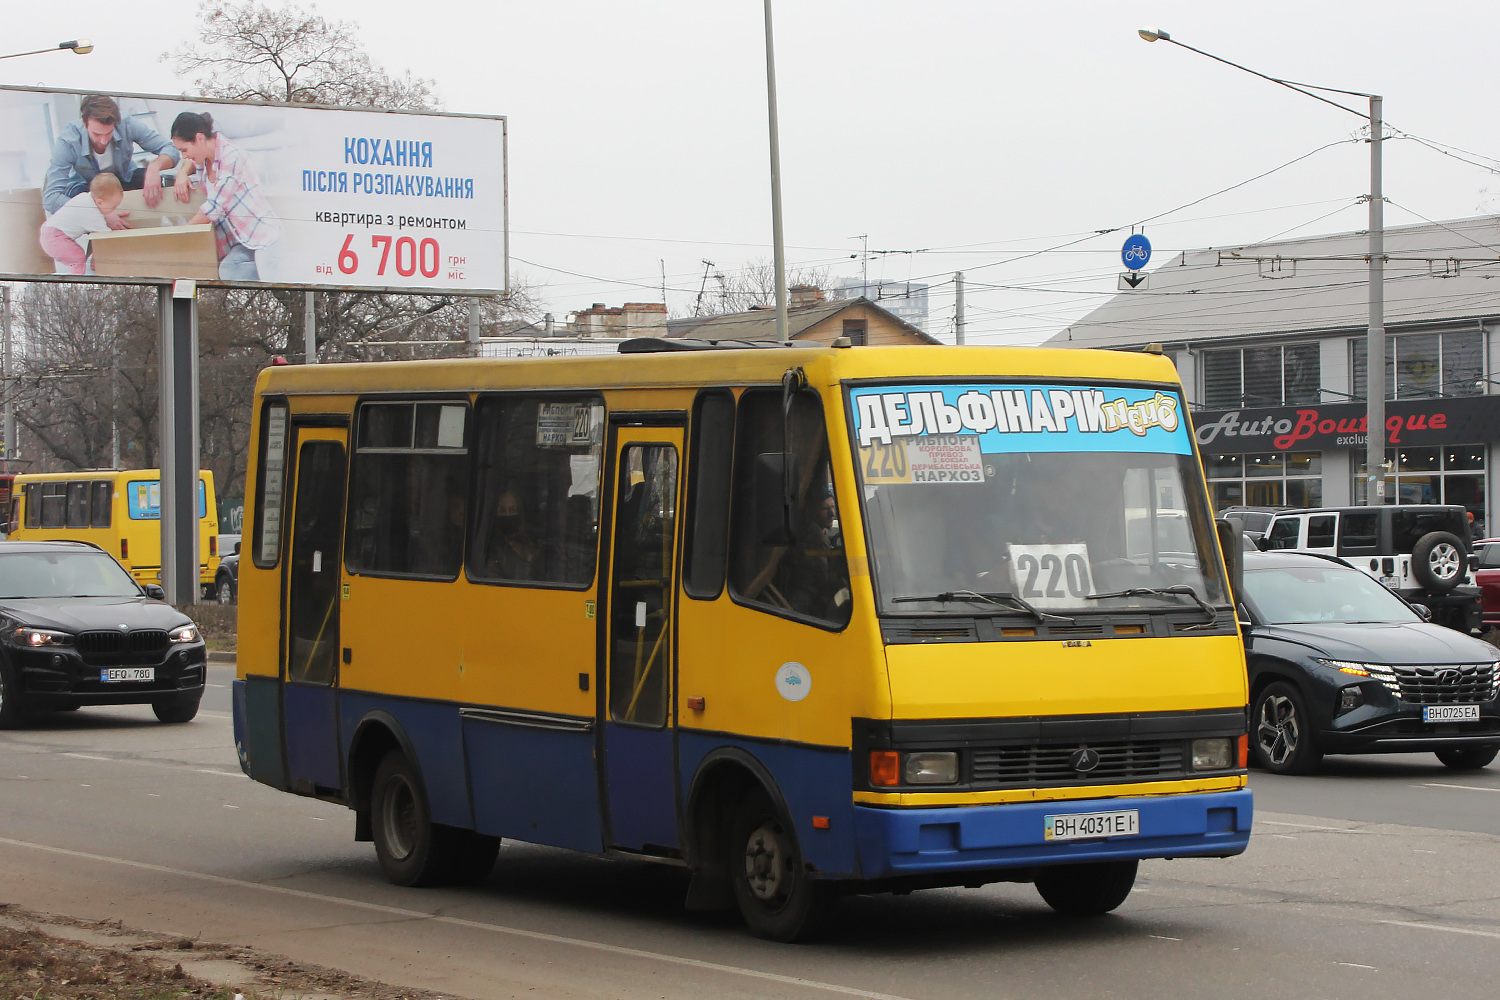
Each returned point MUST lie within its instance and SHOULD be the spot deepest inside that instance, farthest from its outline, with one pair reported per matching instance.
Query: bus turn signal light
(1244, 752)
(820, 822)
(885, 767)
(125, 548)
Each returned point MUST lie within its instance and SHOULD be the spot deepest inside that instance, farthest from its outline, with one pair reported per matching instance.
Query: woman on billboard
(236, 203)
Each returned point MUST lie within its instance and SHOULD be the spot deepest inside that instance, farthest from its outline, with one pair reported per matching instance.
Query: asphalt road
(1377, 878)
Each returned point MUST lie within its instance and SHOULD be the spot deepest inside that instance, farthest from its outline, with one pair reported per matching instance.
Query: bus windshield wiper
(1181, 590)
(992, 597)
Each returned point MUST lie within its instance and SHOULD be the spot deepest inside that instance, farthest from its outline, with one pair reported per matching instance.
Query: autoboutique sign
(237, 191)
(1452, 420)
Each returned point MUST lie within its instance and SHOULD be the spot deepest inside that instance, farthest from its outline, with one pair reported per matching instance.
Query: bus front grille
(1132, 760)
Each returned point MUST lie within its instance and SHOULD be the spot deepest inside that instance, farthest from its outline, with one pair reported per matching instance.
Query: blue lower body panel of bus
(894, 842)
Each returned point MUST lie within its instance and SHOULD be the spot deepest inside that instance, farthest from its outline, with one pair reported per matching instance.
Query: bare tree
(249, 51)
(753, 286)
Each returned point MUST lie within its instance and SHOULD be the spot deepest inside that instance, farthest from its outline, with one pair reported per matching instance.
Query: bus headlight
(932, 767)
(186, 633)
(1216, 754)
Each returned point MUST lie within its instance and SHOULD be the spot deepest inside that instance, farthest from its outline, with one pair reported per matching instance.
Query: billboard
(122, 186)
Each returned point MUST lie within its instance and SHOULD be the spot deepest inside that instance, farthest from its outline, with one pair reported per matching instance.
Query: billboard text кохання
(227, 191)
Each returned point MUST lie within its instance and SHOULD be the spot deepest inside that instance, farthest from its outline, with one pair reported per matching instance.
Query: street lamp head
(80, 46)
(1152, 34)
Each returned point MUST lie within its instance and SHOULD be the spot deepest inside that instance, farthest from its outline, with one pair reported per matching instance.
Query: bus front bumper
(896, 842)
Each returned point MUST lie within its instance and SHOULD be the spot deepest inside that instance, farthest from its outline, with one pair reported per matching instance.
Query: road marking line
(397, 911)
(1443, 928)
(1304, 826)
(1469, 788)
(1355, 965)
(1163, 937)
(86, 756)
(224, 774)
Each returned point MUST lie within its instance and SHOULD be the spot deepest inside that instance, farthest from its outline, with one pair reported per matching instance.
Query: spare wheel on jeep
(1437, 561)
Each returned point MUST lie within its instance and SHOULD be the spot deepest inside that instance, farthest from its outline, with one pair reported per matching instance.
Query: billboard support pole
(7, 385)
(473, 328)
(310, 327)
(178, 350)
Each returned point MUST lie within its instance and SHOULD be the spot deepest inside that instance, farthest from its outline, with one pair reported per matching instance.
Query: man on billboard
(236, 203)
(102, 140)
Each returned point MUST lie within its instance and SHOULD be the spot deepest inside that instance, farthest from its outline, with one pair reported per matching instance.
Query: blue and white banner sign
(942, 430)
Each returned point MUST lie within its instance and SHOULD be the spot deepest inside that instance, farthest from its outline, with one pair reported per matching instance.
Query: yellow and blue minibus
(805, 620)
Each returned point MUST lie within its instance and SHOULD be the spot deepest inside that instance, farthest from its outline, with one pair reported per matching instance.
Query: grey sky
(972, 131)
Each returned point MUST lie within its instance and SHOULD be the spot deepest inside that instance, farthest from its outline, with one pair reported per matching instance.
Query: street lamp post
(778, 250)
(1375, 335)
(78, 46)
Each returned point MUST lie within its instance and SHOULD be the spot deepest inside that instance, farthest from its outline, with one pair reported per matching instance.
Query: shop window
(408, 490)
(1424, 365)
(536, 518)
(1262, 376)
(1266, 479)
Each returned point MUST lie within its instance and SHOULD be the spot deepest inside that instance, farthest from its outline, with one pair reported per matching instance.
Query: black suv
(76, 630)
(1420, 551)
(1339, 664)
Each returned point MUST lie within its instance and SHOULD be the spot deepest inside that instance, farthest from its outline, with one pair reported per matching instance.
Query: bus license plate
(114, 675)
(1450, 713)
(1079, 826)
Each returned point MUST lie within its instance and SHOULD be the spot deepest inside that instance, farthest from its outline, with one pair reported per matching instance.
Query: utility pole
(473, 327)
(864, 264)
(7, 385)
(1375, 338)
(958, 308)
(778, 249)
(310, 327)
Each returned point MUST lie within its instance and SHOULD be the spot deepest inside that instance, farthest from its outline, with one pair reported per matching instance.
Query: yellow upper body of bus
(954, 594)
(117, 510)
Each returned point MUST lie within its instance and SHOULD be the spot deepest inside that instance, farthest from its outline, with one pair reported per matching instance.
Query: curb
(215, 656)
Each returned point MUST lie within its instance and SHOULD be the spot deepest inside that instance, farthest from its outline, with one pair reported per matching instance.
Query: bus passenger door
(638, 669)
(311, 656)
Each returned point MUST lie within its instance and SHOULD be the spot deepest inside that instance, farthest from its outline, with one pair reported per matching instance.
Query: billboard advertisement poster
(128, 186)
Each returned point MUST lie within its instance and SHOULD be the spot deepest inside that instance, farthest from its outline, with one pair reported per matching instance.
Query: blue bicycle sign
(1136, 251)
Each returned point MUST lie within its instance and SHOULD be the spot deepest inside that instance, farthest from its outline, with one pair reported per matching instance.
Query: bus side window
(78, 505)
(54, 505)
(103, 502)
(33, 495)
(711, 451)
(809, 579)
(408, 489)
(536, 514)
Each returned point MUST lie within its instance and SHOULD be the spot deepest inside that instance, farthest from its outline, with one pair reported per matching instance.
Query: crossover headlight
(1375, 671)
(34, 637)
(187, 633)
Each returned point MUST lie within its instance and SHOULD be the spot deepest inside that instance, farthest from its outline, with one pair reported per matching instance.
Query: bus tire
(411, 848)
(13, 711)
(1087, 890)
(772, 889)
(181, 708)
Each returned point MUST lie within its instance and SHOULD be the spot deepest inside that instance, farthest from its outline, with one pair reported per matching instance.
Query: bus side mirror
(775, 519)
(1231, 531)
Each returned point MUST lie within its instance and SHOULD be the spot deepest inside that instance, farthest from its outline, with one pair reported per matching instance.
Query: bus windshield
(1040, 501)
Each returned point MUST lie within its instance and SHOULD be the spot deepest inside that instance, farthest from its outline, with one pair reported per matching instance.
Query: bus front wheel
(771, 885)
(1087, 890)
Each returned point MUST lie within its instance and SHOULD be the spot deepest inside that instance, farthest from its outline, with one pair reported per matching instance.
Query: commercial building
(1270, 340)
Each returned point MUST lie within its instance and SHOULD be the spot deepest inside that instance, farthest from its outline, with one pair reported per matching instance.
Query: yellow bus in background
(117, 510)
(804, 620)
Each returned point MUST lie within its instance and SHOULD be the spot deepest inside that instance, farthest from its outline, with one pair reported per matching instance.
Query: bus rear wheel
(1087, 890)
(412, 850)
(771, 885)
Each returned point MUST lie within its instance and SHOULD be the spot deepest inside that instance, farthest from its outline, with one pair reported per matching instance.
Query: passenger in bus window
(513, 553)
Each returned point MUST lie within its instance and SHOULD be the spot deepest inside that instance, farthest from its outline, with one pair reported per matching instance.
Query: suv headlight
(1375, 671)
(34, 637)
(187, 633)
